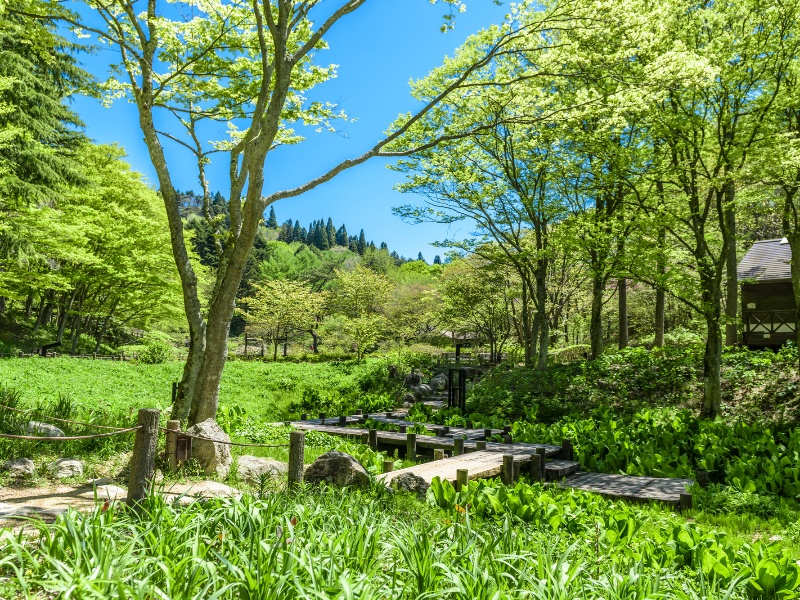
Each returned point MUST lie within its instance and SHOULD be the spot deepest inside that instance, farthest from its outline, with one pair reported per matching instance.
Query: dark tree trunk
(596, 319)
(64, 312)
(314, 340)
(103, 328)
(544, 325)
(732, 282)
(661, 268)
(28, 307)
(622, 290)
(712, 363)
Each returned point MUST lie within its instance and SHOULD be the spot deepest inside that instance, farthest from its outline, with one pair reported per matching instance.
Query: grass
(266, 391)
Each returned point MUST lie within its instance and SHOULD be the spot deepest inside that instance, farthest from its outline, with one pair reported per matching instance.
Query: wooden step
(555, 470)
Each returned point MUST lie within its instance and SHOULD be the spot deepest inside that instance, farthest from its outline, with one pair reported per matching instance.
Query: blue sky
(379, 49)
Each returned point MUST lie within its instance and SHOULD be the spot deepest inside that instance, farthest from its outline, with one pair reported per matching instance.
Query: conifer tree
(342, 238)
(362, 242)
(272, 221)
(330, 232)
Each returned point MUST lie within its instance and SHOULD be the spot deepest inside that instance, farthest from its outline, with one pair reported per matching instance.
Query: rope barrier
(205, 439)
(69, 438)
(48, 418)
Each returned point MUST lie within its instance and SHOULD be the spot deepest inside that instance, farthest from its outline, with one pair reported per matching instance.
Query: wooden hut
(768, 306)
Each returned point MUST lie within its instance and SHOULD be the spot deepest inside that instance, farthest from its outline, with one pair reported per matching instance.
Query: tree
(362, 243)
(251, 66)
(272, 221)
(279, 308)
(437, 260)
(360, 296)
(342, 238)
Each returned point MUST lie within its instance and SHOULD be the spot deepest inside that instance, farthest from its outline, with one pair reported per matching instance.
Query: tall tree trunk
(45, 310)
(732, 281)
(596, 319)
(314, 340)
(622, 290)
(2, 305)
(101, 334)
(541, 302)
(64, 315)
(661, 268)
(28, 307)
(712, 366)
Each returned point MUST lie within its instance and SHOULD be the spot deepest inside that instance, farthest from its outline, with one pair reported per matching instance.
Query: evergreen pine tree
(272, 221)
(384, 246)
(297, 232)
(372, 246)
(330, 232)
(342, 238)
(420, 257)
(353, 245)
(437, 260)
(362, 242)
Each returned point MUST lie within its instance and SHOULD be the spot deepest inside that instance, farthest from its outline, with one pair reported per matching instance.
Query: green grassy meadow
(266, 391)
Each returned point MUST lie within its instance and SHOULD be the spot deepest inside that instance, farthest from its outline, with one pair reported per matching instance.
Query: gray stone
(422, 391)
(408, 482)
(439, 382)
(413, 379)
(252, 468)
(408, 399)
(339, 469)
(65, 467)
(43, 429)
(214, 457)
(18, 468)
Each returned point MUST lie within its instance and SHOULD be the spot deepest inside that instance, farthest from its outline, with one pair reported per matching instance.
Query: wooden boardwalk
(483, 459)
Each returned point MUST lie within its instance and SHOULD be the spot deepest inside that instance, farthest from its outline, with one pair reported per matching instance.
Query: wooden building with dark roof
(768, 306)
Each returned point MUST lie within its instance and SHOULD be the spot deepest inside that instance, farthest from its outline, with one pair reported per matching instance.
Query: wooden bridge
(460, 453)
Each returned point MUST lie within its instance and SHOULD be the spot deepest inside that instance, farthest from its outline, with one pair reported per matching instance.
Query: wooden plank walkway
(630, 487)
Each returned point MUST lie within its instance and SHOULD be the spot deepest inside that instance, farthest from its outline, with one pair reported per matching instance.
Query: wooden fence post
(508, 469)
(143, 463)
(297, 446)
(343, 421)
(373, 439)
(388, 466)
(462, 477)
(173, 427)
(567, 452)
(702, 477)
(487, 433)
(458, 446)
(480, 445)
(541, 453)
(322, 416)
(537, 468)
(685, 502)
(411, 446)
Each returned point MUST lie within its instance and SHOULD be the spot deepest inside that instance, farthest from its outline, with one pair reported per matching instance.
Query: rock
(439, 382)
(212, 456)
(408, 399)
(19, 468)
(422, 391)
(192, 491)
(339, 469)
(252, 468)
(43, 429)
(65, 467)
(413, 379)
(103, 492)
(408, 482)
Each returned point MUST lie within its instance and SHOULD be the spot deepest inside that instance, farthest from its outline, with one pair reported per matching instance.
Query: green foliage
(155, 352)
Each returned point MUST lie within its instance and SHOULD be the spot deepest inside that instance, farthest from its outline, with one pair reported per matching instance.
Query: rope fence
(49, 418)
(205, 439)
(67, 438)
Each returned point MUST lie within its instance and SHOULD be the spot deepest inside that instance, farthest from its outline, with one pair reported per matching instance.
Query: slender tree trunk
(712, 366)
(44, 311)
(544, 325)
(622, 290)
(732, 281)
(28, 307)
(314, 340)
(2, 305)
(62, 318)
(101, 334)
(661, 268)
(596, 319)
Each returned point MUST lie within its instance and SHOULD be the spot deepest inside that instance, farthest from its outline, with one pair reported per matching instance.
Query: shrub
(155, 352)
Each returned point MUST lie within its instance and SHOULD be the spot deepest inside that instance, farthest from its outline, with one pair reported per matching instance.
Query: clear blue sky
(379, 49)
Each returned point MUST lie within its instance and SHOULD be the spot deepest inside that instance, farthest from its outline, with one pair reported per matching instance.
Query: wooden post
(245, 345)
(703, 478)
(359, 412)
(173, 428)
(304, 417)
(437, 431)
(685, 502)
(566, 450)
(343, 421)
(411, 446)
(390, 415)
(506, 429)
(537, 467)
(508, 469)
(480, 445)
(445, 430)
(403, 428)
(507, 439)
(458, 446)
(322, 416)
(297, 449)
(373, 439)
(174, 392)
(462, 477)
(487, 433)
(143, 463)
(388, 466)
(438, 454)
(469, 424)
(94, 355)
(364, 438)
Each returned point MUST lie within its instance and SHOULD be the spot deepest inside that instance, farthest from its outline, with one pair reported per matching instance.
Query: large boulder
(65, 467)
(18, 468)
(408, 482)
(339, 469)
(413, 379)
(422, 391)
(439, 382)
(213, 453)
(43, 429)
(253, 468)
